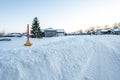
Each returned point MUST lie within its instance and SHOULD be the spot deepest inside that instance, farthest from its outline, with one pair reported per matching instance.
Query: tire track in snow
(104, 63)
(110, 61)
(88, 66)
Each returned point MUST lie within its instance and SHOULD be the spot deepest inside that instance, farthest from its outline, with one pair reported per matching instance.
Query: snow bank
(61, 58)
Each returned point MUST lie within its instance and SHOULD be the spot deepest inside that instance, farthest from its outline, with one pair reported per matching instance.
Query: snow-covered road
(105, 60)
(61, 58)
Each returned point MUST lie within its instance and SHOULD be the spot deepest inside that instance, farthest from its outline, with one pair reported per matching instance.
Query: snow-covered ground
(61, 58)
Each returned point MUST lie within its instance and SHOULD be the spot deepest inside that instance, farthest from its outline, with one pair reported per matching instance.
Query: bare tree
(106, 27)
(80, 30)
(115, 25)
(2, 33)
(119, 25)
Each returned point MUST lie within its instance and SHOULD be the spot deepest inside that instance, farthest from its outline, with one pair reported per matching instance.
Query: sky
(71, 15)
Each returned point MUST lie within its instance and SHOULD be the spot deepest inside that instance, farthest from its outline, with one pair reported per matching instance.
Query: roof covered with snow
(117, 29)
(60, 30)
(104, 30)
(51, 29)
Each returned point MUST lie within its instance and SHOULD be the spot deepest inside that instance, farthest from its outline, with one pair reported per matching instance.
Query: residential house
(50, 32)
(116, 31)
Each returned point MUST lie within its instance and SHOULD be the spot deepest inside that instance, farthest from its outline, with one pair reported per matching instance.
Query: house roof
(117, 29)
(104, 30)
(51, 29)
(60, 30)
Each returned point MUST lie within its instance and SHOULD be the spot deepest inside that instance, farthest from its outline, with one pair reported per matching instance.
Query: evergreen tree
(35, 30)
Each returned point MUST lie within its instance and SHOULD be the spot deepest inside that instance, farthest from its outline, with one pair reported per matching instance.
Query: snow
(104, 30)
(61, 58)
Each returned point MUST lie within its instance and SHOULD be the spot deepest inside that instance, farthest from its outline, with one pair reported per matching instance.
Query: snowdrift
(61, 58)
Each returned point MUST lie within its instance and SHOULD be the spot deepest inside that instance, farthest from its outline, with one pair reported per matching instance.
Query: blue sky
(70, 15)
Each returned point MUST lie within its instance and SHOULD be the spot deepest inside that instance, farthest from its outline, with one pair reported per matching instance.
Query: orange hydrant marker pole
(28, 32)
(28, 41)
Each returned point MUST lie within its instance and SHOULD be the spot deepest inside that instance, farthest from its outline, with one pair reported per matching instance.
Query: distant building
(60, 32)
(13, 35)
(116, 31)
(24, 34)
(104, 31)
(74, 33)
(50, 32)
